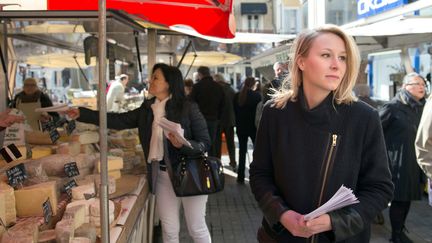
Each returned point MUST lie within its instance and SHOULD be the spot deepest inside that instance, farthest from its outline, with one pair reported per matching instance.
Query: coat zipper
(328, 161)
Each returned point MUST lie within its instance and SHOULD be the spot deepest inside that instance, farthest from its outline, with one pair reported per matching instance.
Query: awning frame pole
(103, 123)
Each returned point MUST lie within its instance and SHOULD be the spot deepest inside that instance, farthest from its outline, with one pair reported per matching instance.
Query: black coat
(191, 120)
(245, 114)
(400, 119)
(291, 146)
(228, 116)
(209, 96)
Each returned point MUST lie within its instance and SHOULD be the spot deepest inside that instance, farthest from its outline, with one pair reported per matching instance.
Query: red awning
(207, 17)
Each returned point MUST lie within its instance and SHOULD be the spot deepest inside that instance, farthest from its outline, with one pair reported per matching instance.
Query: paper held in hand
(342, 198)
(174, 128)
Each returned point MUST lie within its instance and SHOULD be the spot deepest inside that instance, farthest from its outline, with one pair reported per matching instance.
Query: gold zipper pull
(208, 182)
(334, 140)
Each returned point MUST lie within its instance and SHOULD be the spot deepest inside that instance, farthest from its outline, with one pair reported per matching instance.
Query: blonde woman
(314, 138)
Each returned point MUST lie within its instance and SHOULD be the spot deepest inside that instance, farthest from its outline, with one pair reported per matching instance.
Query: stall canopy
(207, 17)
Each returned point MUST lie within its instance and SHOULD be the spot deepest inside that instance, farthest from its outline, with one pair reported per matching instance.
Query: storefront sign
(367, 8)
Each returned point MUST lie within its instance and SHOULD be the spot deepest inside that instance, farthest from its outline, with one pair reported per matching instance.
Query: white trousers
(168, 208)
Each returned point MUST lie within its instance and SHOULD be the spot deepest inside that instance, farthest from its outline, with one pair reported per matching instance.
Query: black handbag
(194, 174)
(197, 175)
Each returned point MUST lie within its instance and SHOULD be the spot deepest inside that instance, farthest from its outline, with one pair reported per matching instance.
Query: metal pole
(151, 48)
(103, 123)
(3, 77)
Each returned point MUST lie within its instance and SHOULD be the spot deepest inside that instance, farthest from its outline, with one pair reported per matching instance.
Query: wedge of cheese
(71, 148)
(64, 231)
(78, 214)
(85, 137)
(114, 163)
(79, 191)
(87, 231)
(41, 151)
(23, 232)
(7, 193)
(116, 174)
(37, 195)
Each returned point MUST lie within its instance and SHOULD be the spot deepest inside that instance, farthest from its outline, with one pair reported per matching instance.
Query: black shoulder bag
(195, 175)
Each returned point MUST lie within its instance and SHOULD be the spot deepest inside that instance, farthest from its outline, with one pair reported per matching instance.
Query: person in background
(7, 120)
(281, 71)
(400, 118)
(169, 100)
(362, 91)
(30, 99)
(227, 122)
(188, 84)
(210, 98)
(423, 144)
(245, 103)
(315, 137)
(116, 91)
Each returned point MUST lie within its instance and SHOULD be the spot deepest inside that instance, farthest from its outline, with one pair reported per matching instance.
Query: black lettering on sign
(71, 169)
(54, 135)
(16, 174)
(61, 122)
(70, 127)
(47, 125)
(68, 187)
(47, 210)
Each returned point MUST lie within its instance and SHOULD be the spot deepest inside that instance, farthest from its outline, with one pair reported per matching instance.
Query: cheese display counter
(52, 194)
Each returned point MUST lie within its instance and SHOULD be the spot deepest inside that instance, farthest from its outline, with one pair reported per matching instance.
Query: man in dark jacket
(227, 122)
(209, 96)
(281, 71)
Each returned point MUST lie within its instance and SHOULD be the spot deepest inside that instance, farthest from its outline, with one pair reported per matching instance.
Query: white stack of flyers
(342, 198)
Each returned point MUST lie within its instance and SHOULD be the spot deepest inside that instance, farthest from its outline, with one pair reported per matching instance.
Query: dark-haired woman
(167, 89)
(245, 103)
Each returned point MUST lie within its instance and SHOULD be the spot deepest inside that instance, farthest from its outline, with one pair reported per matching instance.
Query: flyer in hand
(342, 198)
(174, 128)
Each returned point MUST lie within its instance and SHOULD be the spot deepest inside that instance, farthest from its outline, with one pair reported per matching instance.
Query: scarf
(156, 152)
(406, 98)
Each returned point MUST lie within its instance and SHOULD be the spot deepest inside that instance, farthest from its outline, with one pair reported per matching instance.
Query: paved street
(233, 216)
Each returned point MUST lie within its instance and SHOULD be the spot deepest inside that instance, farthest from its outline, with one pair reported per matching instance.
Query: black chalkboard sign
(70, 127)
(47, 210)
(61, 122)
(47, 125)
(54, 135)
(71, 169)
(68, 187)
(16, 174)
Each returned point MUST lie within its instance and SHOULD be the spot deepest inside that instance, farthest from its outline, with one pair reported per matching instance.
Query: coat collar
(321, 113)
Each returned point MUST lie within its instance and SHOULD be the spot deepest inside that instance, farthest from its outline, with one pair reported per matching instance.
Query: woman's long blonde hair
(300, 48)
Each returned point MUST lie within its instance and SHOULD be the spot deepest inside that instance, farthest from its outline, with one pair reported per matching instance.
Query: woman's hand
(294, 223)
(72, 113)
(174, 141)
(319, 225)
(7, 119)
